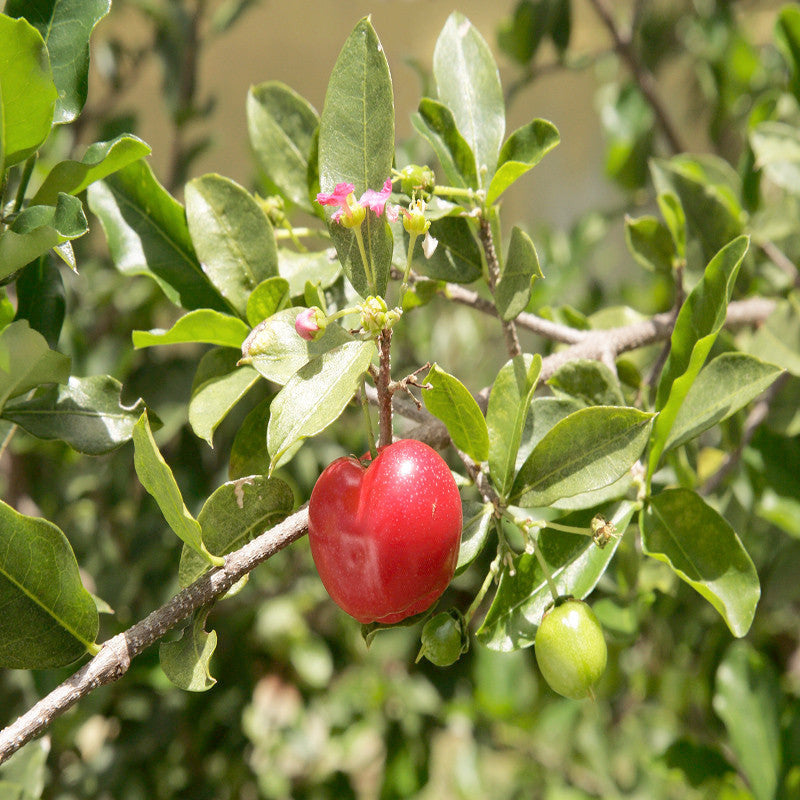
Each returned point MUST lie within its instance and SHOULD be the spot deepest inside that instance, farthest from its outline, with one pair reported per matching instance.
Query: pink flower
(351, 212)
(310, 324)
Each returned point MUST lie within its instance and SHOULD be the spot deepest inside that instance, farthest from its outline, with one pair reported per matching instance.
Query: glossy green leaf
(509, 406)
(202, 325)
(218, 386)
(681, 530)
(708, 191)
(66, 26)
(468, 83)
(26, 361)
(747, 697)
(87, 413)
(777, 340)
(316, 395)
(276, 350)
(269, 297)
(544, 414)
(249, 455)
(27, 92)
(157, 478)
(436, 123)
(186, 661)
(356, 145)
(457, 258)
(674, 219)
(281, 125)
(724, 385)
(41, 299)
(521, 152)
(699, 321)
(451, 402)
(478, 519)
(521, 268)
(587, 450)
(650, 243)
(147, 234)
(590, 382)
(39, 228)
(320, 267)
(232, 237)
(48, 619)
(99, 161)
(576, 564)
(236, 513)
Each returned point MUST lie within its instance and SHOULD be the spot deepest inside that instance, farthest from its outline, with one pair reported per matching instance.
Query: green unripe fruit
(570, 649)
(444, 639)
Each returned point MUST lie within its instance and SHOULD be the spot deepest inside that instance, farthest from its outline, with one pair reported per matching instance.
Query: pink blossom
(377, 200)
(310, 324)
(344, 197)
(340, 196)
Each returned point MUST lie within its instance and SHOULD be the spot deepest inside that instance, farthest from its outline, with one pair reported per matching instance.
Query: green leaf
(587, 450)
(544, 414)
(451, 402)
(269, 297)
(777, 340)
(23, 775)
(436, 123)
(276, 350)
(202, 325)
(724, 385)
(681, 530)
(776, 147)
(66, 26)
(356, 145)
(468, 83)
(787, 37)
(590, 382)
(26, 361)
(41, 299)
(48, 619)
(236, 513)
(249, 455)
(28, 95)
(99, 161)
(521, 268)
(87, 413)
(675, 220)
(509, 406)
(217, 387)
(699, 321)
(158, 480)
(457, 258)
(319, 267)
(522, 151)
(186, 661)
(39, 228)
(316, 395)
(231, 236)
(281, 125)
(708, 191)
(478, 518)
(521, 34)
(147, 234)
(650, 243)
(576, 564)
(747, 697)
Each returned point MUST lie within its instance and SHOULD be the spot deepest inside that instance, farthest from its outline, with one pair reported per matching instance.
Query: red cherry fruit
(385, 537)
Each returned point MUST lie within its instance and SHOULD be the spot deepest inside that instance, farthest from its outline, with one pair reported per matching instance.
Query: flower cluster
(351, 212)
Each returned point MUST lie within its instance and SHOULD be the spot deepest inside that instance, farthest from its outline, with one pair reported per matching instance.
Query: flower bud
(414, 218)
(310, 323)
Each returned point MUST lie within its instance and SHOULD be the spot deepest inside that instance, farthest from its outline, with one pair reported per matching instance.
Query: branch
(644, 80)
(116, 654)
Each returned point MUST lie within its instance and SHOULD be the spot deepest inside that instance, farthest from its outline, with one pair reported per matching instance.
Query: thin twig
(115, 656)
(382, 383)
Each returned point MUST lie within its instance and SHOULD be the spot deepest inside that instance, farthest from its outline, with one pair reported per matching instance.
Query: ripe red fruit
(385, 537)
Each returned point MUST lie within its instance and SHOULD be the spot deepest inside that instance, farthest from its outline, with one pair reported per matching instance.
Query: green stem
(367, 265)
(27, 171)
(487, 582)
(412, 240)
(567, 528)
(455, 191)
(551, 584)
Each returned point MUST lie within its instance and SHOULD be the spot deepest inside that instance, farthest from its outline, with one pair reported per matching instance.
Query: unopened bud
(310, 323)
(415, 179)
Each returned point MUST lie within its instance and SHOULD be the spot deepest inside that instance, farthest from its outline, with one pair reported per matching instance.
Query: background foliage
(302, 708)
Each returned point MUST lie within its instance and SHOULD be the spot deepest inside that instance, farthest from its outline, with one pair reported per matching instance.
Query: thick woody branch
(115, 656)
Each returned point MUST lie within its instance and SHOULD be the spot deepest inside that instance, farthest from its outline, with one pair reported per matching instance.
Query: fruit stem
(487, 582)
(382, 384)
(551, 584)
